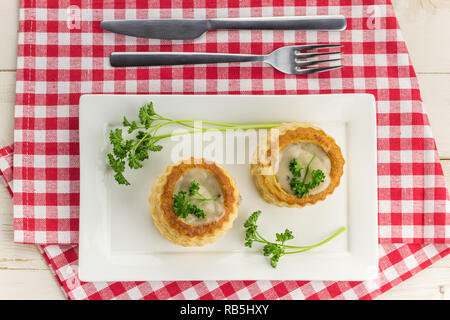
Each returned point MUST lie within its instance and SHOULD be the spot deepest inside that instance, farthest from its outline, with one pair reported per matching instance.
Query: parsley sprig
(182, 205)
(275, 250)
(144, 138)
(299, 186)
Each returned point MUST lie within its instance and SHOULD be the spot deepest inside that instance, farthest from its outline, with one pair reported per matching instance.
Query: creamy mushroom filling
(303, 152)
(209, 188)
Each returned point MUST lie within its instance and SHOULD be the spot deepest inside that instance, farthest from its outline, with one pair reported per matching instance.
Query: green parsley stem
(204, 198)
(182, 122)
(261, 237)
(317, 244)
(222, 124)
(155, 128)
(307, 168)
(211, 122)
(238, 127)
(304, 248)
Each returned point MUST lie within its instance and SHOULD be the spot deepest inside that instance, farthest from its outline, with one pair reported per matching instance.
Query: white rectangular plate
(118, 241)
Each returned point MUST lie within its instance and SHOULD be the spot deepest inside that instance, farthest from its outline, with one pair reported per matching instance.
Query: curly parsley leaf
(132, 126)
(182, 207)
(194, 187)
(295, 167)
(285, 236)
(317, 177)
(147, 115)
(134, 150)
(182, 201)
(133, 161)
(118, 166)
(299, 186)
(250, 225)
(275, 251)
(120, 146)
(251, 221)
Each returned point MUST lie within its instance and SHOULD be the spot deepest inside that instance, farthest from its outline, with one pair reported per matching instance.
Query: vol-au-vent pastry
(194, 202)
(306, 168)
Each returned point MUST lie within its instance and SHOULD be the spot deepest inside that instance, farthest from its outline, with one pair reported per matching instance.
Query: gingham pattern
(398, 262)
(63, 52)
(59, 59)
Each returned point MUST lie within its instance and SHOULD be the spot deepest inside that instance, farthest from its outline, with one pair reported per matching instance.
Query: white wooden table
(425, 25)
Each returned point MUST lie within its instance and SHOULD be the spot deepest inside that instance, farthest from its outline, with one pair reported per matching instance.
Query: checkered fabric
(398, 262)
(63, 53)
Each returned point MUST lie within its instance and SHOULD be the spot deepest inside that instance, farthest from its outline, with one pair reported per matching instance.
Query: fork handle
(139, 59)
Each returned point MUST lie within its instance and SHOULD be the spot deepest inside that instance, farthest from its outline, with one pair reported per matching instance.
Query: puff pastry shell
(289, 133)
(174, 228)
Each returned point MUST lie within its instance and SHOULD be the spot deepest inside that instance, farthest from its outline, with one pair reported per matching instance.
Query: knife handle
(139, 59)
(337, 23)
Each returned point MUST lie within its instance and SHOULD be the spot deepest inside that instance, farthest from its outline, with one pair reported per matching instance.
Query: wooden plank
(23, 272)
(430, 284)
(7, 98)
(29, 284)
(9, 17)
(435, 92)
(424, 25)
(12, 255)
(446, 168)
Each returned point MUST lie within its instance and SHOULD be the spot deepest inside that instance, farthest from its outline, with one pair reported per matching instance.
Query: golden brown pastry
(309, 145)
(213, 183)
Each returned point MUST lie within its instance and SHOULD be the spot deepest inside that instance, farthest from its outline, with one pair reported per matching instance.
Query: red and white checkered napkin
(63, 53)
(397, 263)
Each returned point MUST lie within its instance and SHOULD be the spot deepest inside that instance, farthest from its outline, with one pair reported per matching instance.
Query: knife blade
(185, 29)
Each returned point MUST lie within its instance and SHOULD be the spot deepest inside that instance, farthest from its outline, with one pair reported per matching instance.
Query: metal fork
(288, 59)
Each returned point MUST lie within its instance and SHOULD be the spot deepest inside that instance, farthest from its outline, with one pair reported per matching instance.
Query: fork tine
(314, 62)
(317, 70)
(317, 46)
(316, 54)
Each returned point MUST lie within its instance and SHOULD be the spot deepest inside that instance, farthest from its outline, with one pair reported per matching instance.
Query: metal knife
(184, 29)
